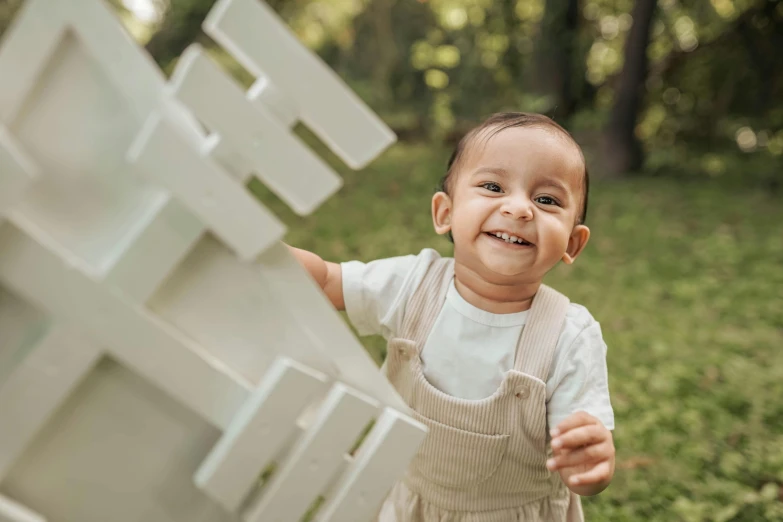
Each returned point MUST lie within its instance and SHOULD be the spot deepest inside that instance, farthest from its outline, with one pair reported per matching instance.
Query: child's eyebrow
(491, 170)
(556, 184)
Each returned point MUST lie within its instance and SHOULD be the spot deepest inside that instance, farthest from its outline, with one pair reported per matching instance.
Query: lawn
(686, 279)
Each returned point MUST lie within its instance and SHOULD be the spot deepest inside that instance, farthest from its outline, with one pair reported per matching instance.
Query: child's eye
(546, 200)
(491, 186)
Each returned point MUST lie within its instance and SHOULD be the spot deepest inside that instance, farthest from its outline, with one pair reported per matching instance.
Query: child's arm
(329, 276)
(583, 454)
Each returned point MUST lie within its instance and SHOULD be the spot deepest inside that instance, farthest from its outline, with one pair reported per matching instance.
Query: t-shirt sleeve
(580, 379)
(376, 293)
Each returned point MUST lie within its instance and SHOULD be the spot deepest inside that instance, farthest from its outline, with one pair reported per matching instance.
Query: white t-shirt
(469, 350)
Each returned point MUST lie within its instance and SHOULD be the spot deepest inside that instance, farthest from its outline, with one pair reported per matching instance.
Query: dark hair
(500, 122)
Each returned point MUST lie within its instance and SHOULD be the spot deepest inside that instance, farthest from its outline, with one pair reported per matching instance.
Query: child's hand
(583, 454)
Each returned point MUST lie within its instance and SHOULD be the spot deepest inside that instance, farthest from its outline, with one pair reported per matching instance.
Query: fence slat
(316, 458)
(379, 463)
(292, 287)
(17, 171)
(283, 162)
(151, 256)
(252, 32)
(40, 271)
(44, 378)
(260, 429)
(11, 511)
(225, 206)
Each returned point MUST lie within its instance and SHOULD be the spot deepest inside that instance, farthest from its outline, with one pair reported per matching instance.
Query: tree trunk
(512, 58)
(554, 56)
(622, 152)
(387, 55)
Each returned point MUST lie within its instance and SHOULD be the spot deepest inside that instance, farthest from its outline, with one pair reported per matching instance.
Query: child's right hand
(329, 276)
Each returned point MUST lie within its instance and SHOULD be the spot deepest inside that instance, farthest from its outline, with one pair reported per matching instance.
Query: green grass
(686, 279)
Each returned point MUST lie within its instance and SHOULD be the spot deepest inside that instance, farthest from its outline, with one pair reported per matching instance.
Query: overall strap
(427, 301)
(541, 332)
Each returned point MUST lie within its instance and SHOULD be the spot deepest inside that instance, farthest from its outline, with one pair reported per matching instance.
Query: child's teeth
(498, 234)
(513, 239)
(504, 236)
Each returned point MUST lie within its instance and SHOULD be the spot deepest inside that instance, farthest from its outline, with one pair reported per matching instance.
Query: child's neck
(493, 297)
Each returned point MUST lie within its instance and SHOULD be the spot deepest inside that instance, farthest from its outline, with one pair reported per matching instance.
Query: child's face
(524, 183)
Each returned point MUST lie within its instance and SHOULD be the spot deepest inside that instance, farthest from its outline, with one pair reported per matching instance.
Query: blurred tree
(556, 58)
(707, 97)
(384, 53)
(512, 59)
(387, 56)
(622, 151)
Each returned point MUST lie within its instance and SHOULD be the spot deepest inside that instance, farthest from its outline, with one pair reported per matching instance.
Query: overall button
(405, 352)
(522, 391)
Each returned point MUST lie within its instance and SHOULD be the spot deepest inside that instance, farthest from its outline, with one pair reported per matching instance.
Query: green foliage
(684, 277)
(696, 97)
(432, 68)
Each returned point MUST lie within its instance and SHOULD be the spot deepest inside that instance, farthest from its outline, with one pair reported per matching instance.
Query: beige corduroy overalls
(483, 460)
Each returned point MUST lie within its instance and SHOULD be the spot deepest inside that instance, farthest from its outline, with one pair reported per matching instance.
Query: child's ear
(441, 212)
(576, 243)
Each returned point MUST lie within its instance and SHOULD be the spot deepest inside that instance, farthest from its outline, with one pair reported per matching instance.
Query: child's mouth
(511, 240)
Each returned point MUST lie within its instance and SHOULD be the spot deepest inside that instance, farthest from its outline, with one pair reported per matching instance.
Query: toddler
(507, 374)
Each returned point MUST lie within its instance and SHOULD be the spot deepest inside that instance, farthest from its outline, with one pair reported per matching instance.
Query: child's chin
(508, 274)
(505, 269)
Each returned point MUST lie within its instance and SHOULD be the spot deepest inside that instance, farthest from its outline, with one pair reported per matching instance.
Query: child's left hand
(583, 454)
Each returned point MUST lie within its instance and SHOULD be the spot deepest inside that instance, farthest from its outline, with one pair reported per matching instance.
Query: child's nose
(518, 208)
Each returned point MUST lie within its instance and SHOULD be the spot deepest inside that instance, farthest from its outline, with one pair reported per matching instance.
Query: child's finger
(601, 472)
(575, 420)
(578, 437)
(559, 452)
(579, 457)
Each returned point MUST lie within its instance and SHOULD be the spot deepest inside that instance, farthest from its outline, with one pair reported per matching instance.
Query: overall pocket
(454, 458)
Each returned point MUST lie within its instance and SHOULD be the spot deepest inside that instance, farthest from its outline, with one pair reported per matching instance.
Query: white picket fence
(162, 356)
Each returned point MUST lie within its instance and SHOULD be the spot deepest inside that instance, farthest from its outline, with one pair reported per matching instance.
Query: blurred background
(679, 107)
